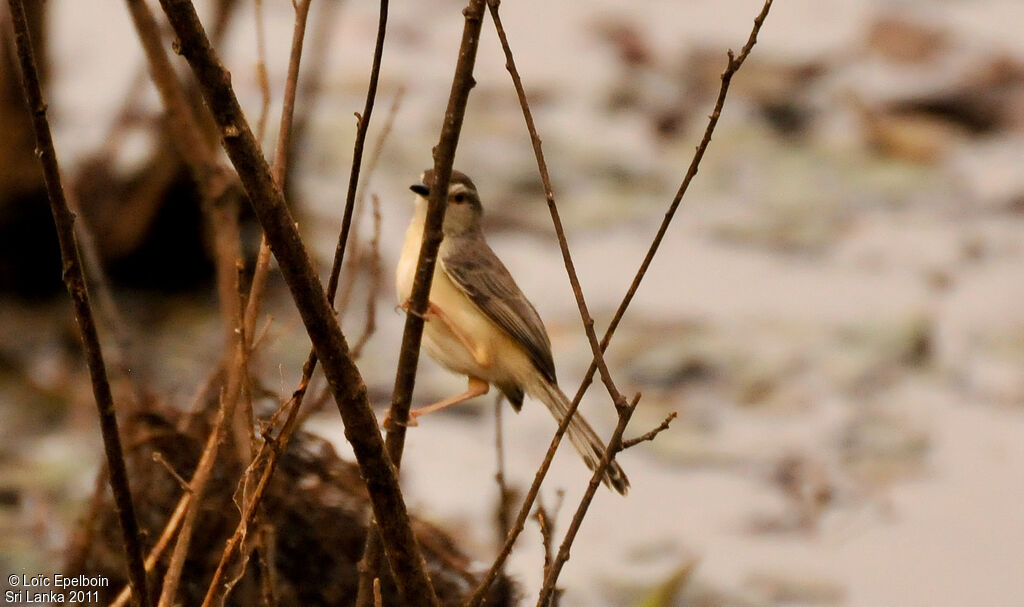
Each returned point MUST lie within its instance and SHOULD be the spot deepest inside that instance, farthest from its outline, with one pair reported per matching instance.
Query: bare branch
(281, 163)
(502, 511)
(200, 478)
(542, 166)
(161, 544)
(160, 459)
(352, 263)
(444, 158)
(74, 280)
(651, 435)
(733, 65)
(357, 152)
(614, 446)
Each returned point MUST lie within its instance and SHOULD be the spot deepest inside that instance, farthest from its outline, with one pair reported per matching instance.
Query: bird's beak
(420, 189)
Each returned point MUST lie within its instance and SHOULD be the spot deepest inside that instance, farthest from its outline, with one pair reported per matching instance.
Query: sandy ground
(840, 314)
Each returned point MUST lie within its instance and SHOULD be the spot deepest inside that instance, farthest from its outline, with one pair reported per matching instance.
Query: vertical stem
(408, 359)
(74, 280)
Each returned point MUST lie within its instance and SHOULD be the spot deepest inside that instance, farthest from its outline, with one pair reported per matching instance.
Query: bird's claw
(390, 424)
(405, 307)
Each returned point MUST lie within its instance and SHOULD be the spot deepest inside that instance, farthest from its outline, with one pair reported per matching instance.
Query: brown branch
(161, 544)
(352, 263)
(331, 347)
(502, 511)
(444, 158)
(408, 358)
(614, 446)
(652, 434)
(107, 309)
(200, 478)
(733, 65)
(357, 152)
(546, 522)
(281, 162)
(280, 173)
(74, 280)
(159, 458)
(188, 137)
(520, 522)
(542, 166)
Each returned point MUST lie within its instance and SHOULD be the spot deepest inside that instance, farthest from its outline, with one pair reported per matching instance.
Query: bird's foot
(426, 316)
(391, 425)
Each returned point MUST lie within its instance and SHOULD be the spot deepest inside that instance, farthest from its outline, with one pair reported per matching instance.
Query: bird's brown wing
(477, 272)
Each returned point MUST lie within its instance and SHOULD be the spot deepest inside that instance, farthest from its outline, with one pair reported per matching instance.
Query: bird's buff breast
(440, 342)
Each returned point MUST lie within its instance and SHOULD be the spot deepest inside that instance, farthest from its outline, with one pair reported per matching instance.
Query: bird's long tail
(582, 436)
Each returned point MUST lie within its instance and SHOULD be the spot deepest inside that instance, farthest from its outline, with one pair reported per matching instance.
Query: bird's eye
(459, 198)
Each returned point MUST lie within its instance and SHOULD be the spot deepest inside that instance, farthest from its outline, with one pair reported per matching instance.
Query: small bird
(478, 322)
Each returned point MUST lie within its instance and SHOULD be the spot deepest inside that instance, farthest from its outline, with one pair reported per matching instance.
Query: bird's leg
(479, 353)
(475, 388)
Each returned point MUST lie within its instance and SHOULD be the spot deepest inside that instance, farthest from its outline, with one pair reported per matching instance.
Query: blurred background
(835, 313)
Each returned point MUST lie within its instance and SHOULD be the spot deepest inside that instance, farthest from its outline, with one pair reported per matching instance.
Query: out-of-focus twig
(261, 71)
(374, 272)
(74, 280)
(502, 511)
(281, 162)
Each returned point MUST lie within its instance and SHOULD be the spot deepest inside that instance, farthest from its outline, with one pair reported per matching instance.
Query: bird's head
(464, 209)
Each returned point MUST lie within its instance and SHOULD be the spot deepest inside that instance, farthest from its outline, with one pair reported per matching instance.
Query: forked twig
(614, 446)
(650, 435)
(74, 280)
(734, 64)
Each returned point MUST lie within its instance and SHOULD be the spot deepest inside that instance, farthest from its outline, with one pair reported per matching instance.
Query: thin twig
(352, 263)
(363, 125)
(651, 435)
(200, 478)
(161, 544)
(374, 272)
(261, 70)
(408, 358)
(517, 527)
(160, 459)
(346, 382)
(281, 162)
(614, 446)
(107, 308)
(542, 166)
(546, 522)
(502, 511)
(188, 137)
(74, 280)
